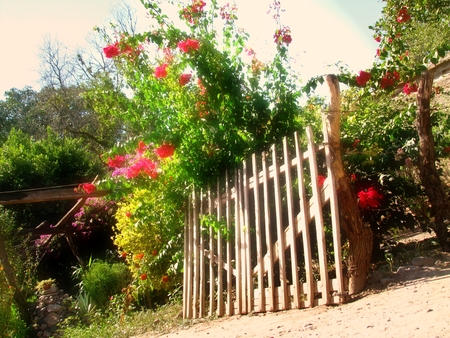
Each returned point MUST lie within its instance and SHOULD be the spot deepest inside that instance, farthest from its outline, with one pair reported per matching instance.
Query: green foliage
(104, 280)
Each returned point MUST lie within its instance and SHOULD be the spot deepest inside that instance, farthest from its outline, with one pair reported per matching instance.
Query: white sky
(323, 31)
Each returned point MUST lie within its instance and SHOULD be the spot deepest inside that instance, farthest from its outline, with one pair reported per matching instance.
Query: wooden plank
(186, 265)
(334, 208)
(201, 259)
(47, 195)
(292, 228)
(280, 232)
(196, 279)
(317, 210)
(247, 243)
(303, 222)
(230, 306)
(220, 299)
(268, 262)
(212, 277)
(238, 243)
(190, 267)
(260, 294)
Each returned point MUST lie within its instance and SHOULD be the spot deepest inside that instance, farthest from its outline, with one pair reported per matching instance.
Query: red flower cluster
(409, 88)
(369, 198)
(403, 15)
(116, 162)
(160, 71)
(283, 35)
(118, 48)
(87, 188)
(189, 44)
(321, 180)
(362, 78)
(184, 79)
(142, 165)
(389, 79)
(164, 151)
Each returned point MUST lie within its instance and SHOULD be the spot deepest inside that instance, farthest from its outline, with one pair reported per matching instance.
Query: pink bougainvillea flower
(369, 198)
(116, 162)
(88, 188)
(283, 35)
(363, 77)
(378, 38)
(188, 45)
(321, 180)
(166, 150)
(184, 79)
(112, 50)
(403, 15)
(409, 88)
(142, 165)
(161, 71)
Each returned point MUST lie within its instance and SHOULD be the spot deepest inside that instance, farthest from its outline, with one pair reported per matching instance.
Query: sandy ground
(413, 303)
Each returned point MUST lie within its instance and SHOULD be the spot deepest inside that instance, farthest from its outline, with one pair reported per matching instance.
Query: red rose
(363, 77)
(403, 15)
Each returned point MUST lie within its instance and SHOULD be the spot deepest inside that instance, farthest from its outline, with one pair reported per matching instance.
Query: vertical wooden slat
(334, 207)
(247, 233)
(258, 232)
(270, 276)
(304, 221)
(238, 252)
(230, 305)
(196, 278)
(187, 262)
(292, 226)
(212, 277)
(280, 232)
(202, 285)
(220, 300)
(317, 210)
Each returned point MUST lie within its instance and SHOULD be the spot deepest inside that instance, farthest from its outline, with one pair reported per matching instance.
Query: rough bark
(359, 235)
(429, 176)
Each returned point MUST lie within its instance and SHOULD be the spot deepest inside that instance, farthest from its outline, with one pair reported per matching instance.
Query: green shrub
(104, 280)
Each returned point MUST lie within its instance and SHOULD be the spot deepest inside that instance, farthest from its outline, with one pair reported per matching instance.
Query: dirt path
(414, 304)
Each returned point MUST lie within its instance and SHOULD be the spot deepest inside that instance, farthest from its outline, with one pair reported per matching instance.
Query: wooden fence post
(359, 235)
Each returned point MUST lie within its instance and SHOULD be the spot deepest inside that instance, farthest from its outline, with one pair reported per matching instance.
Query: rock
(54, 308)
(375, 277)
(51, 319)
(422, 261)
(403, 269)
(387, 281)
(50, 291)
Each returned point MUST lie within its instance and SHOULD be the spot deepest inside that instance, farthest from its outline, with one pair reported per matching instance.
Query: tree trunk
(359, 235)
(11, 279)
(429, 176)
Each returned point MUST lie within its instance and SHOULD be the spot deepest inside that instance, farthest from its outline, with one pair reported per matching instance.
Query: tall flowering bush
(199, 102)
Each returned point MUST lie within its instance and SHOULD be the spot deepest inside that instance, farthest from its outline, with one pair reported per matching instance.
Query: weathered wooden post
(359, 235)
(427, 168)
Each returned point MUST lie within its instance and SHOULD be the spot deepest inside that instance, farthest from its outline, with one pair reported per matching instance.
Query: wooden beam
(46, 195)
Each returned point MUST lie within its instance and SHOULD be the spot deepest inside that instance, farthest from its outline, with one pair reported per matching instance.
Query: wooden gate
(266, 237)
